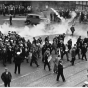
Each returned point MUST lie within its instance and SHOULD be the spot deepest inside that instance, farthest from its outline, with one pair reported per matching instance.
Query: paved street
(38, 77)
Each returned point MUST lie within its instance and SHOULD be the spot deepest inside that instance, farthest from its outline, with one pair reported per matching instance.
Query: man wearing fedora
(6, 77)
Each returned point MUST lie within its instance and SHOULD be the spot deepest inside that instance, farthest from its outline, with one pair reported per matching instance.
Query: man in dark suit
(17, 60)
(6, 77)
(60, 71)
(72, 29)
(84, 50)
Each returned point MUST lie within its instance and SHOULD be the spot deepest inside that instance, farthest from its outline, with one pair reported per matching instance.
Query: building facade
(82, 5)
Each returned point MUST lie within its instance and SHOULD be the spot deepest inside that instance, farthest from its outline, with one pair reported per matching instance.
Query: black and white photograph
(43, 43)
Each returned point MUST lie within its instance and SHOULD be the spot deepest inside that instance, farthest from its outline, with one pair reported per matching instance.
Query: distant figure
(72, 30)
(6, 77)
(10, 19)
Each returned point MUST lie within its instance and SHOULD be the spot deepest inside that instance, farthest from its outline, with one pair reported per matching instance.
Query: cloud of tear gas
(44, 28)
(62, 19)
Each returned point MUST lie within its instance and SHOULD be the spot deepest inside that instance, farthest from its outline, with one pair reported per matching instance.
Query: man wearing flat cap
(6, 77)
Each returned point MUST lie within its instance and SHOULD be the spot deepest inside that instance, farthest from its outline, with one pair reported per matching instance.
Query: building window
(80, 2)
(84, 2)
(77, 2)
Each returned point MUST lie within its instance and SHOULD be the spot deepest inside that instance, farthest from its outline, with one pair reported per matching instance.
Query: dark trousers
(6, 84)
(78, 52)
(10, 22)
(34, 61)
(60, 74)
(72, 61)
(84, 55)
(72, 33)
(17, 66)
(46, 63)
(62, 54)
(78, 55)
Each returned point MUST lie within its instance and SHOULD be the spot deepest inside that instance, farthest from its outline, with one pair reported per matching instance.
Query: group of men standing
(14, 9)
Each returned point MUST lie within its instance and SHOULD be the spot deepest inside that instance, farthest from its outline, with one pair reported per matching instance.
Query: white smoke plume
(42, 28)
(62, 19)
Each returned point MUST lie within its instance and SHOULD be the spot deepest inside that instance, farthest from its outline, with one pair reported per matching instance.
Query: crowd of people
(14, 9)
(14, 48)
(23, 10)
